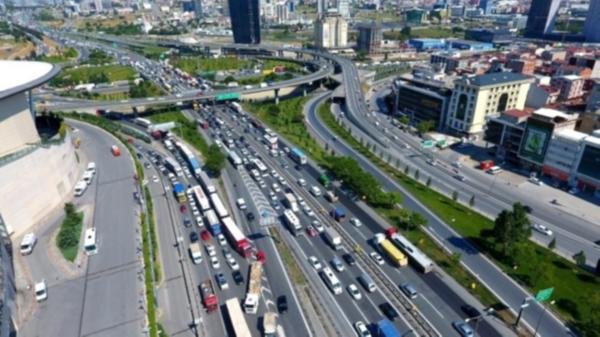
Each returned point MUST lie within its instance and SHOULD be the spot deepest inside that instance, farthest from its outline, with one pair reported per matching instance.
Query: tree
(428, 183)
(511, 227)
(580, 258)
(472, 201)
(416, 220)
(404, 119)
(406, 170)
(273, 110)
(400, 218)
(229, 79)
(502, 230)
(425, 126)
(406, 31)
(552, 244)
(417, 174)
(215, 159)
(455, 195)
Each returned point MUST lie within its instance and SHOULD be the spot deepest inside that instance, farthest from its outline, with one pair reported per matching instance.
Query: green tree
(580, 258)
(511, 227)
(552, 244)
(502, 230)
(416, 220)
(407, 170)
(215, 159)
(455, 195)
(229, 79)
(406, 32)
(425, 126)
(404, 119)
(400, 218)
(428, 183)
(417, 174)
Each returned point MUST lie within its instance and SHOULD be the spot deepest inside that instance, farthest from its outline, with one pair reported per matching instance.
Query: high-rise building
(486, 6)
(197, 8)
(542, 15)
(591, 30)
(320, 8)
(245, 21)
(343, 8)
(369, 37)
(281, 12)
(331, 31)
(98, 5)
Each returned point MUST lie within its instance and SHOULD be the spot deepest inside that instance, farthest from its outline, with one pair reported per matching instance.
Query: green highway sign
(427, 144)
(228, 96)
(544, 294)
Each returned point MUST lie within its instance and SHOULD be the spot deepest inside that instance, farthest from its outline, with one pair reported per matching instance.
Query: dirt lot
(13, 50)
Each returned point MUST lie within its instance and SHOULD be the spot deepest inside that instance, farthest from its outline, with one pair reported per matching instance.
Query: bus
(298, 156)
(89, 243)
(209, 188)
(419, 260)
(172, 165)
(392, 252)
(219, 206)
(332, 282)
(201, 198)
(236, 318)
(234, 158)
(292, 222)
(260, 165)
(189, 157)
(252, 299)
(142, 122)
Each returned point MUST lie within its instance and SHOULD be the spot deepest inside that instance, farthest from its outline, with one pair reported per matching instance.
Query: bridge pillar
(280, 53)
(304, 89)
(276, 96)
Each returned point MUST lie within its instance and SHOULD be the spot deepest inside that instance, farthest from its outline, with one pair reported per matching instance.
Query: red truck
(209, 297)
(486, 164)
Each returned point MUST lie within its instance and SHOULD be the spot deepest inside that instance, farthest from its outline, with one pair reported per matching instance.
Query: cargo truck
(270, 324)
(195, 253)
(213, 222)
(291, 203)
(209, 297)
(392, 252)
(292, 221)
(254, 284)
(338, 214)
(385, 328)
(333, 238)
(179, 191)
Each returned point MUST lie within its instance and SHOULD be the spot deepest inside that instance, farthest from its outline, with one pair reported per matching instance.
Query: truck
(270, 324)
(486, 164)
(292, 221)
(291, 203)
(209, 297)
(324, 180)
(392, 252)
(236, 237)
(331, 196)
(252, 299)
(213, 222)
(195, 252)
(338, 214)
(333, 238)
(179, 192)
(298, 156)
(385, 328)
(201, 198)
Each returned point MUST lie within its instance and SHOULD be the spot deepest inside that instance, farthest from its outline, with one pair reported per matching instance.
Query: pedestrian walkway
(267, 214)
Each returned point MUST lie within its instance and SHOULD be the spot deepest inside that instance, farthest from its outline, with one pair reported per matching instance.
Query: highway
(507, 290)
(103, 299)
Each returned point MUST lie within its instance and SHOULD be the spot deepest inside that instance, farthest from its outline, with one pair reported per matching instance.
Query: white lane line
(432, 306)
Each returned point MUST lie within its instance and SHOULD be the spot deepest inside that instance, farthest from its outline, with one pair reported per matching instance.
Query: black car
(389, 311)
(193, 237)
(238, 278)
(349, 259)
(250, 216)
(470, 311)
(282, 305)
(187, 222)
(527, 209)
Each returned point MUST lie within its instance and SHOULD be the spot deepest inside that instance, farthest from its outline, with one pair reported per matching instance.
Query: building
(593, 102)
(369, 37)
(421, 100)
(541, 127)
(540, 20)
(475, 98)
(486, 6)
(245, 21)
(590, 29)
(98, 6)
(427, 44)
(469, 45)
(331, 31)
(524, 66)
(448, 62)
(506, 132)
(495, 36)
(415, 16)
(570, 86)
(198, 8)
(587, 175)
(589, 62)
(281, 12)
(563, 154)
(554, 55)
(540, 96)
(457, 11)
(343, 7)
(8, 288)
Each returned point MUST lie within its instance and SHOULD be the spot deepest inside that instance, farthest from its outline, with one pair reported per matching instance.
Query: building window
(502, 102)
(462, 106)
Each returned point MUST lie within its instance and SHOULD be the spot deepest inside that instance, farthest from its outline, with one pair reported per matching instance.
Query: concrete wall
(264, 95)
(17, 127)
(35, 185)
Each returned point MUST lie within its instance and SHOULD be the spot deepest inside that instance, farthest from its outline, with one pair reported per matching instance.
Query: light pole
(524, 305)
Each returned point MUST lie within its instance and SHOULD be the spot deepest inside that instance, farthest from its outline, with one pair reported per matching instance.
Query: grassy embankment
(69, 235)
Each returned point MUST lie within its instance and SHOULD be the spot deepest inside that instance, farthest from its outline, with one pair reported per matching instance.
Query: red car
(311, 231)
(261, 256)
(205, 235)
(182, 208)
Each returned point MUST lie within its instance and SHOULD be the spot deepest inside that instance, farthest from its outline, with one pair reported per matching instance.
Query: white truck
(254, 284)
(291, 203)
(270, 324)
(196, 253)
(333, 238)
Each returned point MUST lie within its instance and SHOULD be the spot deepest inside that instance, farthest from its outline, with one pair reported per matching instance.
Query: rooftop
(19, 76)
(551, 114)
(572, 135)
(517, 113)
(496, 78)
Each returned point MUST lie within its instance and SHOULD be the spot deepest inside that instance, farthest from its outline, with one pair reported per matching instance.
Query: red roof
(518, 113)
(549, 89)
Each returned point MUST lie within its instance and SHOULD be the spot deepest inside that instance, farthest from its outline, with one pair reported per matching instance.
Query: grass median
(184, 128)
(69, 235)
(576, 294)
(288, 259)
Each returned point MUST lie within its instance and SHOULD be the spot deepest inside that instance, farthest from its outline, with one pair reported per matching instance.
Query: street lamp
(524, 305)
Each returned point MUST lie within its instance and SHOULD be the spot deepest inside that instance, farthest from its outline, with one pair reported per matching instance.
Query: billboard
(590, 162)
(535, 142)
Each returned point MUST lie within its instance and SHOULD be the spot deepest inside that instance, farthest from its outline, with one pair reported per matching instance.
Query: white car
(355, 222)
(301, 182)
(536, 181)
(318, 226)
(233, 264)
(199, 221)
(41, 291)
(222, 240)
(354, 292)
(210, 250)
(155, 179)
(375, 256)
(542, 229)
(276, 187)
(214, 262)
(361, 329)
(315, 262)
(309, 212)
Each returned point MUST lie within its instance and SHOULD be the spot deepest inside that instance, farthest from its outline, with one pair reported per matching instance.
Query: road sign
(427, 144)
(228, 96)
(544, 294)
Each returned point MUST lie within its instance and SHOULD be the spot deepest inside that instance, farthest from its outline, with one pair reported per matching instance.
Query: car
(238, 278)
(337, 264)
(457, 164)
(350, 260)
(460, 177)
(309, 212)
(542, 229)
(361, 329)
(536, 181)
(221, 281)
(282, 305)
(311, 231)
(193, 237)
(315, 262)
(355, 222)
(226, 253)
(470, 311)
(187, 222)
(389, 311)
(409, 290)
(301, 182)
(318, 226)
(210, 250)
(41, 291)
(375, 256)
(432, 162)
(354, 292)
(221, 239)
(463, 329)
(155, 179)
(276, 187)
(205, 235)
(199, 221)
(528, 209)
(214, 262)
(233, 264)
(250, 216)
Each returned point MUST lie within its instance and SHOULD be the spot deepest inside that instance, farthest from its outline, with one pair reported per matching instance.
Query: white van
(241, 203)
(80, 188)
(27, 244)
(367, 282)
(314, 190)
(87, 177)
(494, 170)
(91, 167)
